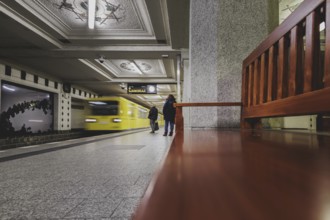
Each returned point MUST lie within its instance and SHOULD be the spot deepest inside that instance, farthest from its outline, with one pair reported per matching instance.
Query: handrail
(179, 116)
(288, 73)
(197, 104)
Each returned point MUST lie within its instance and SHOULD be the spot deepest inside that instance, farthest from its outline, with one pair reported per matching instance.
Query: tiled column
(62, 111)
(222, 34)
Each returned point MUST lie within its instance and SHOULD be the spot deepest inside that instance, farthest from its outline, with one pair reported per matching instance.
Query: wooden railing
(289, 72)
(179, 116)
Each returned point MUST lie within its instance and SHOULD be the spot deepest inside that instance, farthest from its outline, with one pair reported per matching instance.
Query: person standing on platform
(153, 115)
(169, 114)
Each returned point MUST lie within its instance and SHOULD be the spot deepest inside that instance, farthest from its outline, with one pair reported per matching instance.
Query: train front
(103, 115)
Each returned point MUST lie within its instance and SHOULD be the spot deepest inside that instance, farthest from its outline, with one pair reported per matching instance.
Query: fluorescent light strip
(97, 103)
(10, 89)
(91, 13)
(34, 120)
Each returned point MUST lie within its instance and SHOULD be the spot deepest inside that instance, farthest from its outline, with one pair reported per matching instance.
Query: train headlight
(116, 120)
(90, 120)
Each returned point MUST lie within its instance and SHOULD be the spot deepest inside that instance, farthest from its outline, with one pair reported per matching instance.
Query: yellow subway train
(116, 114)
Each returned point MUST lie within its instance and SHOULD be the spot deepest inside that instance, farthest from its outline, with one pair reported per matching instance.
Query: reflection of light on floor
(38, 121)
(32, 146)
(326, 212)
(1, 151)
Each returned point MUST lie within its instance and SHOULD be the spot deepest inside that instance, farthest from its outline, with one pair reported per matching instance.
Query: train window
(131, 110)
(104, 107)
(143, 113)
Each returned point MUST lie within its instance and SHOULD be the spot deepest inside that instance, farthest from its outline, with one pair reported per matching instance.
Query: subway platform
(198, 174)
(101, 177)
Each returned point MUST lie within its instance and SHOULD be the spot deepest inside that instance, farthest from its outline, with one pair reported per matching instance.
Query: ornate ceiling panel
(286, 7)
(124, 47)
(136, 68)
(113, 18)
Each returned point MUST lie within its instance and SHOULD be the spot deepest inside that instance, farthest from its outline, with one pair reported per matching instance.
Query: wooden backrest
(289, 72)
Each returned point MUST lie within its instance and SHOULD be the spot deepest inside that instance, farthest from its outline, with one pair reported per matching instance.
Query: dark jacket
(153, 113)
(169, 110)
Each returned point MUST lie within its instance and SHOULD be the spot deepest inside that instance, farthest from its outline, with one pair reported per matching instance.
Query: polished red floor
(229, 175)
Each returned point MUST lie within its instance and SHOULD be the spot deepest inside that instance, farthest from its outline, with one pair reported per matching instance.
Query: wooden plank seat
(241, 174)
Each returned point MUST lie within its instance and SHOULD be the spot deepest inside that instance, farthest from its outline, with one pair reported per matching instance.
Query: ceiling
(134, 41)
(286, 7)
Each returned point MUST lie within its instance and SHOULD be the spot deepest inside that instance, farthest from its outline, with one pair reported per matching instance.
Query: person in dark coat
(169, 114)
(153, 115)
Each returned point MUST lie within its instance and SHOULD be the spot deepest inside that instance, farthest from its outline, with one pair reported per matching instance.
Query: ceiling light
(91, 13)
(151, 89)
(8, 88)
(34, 120)
(90, 120)
(97, 103)
(322, 26)
(164, 55)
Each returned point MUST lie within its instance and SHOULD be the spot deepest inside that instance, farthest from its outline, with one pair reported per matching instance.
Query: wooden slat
(271, 73)
(317, 81)
(255, 82)
(300, 60)
(263, 70)
(250, 86)
(245, 86)
(327, 44)
(294, 60)
(305, 8)
(281, 67)
(312, 51)
(307, 103)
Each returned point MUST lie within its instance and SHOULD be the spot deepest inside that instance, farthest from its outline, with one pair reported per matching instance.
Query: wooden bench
(280, 77)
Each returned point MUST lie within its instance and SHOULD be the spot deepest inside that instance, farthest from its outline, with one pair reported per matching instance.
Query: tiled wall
(62, 105)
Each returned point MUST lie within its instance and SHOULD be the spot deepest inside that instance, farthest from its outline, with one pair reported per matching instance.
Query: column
(186, 88)
(62, 111)
(222, 34)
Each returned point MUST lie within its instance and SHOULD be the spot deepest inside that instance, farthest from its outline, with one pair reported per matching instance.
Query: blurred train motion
(116, 114)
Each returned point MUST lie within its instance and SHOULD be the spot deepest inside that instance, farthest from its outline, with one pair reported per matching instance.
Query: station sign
(141, 88)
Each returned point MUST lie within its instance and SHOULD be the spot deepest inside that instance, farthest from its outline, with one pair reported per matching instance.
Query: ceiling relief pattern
(106, 12)
(133, 67)
(286, 7)
(136, 68)
(110, 14)
(113, 17)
